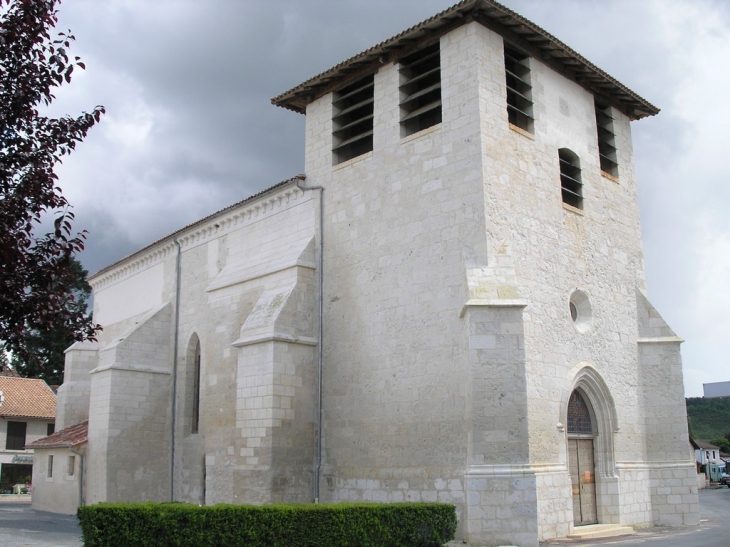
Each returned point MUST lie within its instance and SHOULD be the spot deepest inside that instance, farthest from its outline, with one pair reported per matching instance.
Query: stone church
(450, 305)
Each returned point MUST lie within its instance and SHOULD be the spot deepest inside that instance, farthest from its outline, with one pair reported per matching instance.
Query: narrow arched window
(195, 408)
(571, 184)
(579, 416)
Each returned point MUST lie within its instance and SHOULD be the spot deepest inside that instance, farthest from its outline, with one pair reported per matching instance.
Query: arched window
(570, 180)
(579, 417)
(195, 407)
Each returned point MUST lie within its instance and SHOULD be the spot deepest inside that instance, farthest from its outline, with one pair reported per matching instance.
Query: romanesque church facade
(449, 305)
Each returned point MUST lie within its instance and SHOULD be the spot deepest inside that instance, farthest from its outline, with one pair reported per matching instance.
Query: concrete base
(594, 531)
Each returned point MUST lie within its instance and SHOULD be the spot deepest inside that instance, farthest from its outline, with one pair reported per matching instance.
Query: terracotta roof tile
(27, 398)
(70, 436)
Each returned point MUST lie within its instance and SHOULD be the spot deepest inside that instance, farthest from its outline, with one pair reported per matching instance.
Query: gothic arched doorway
(581, 463)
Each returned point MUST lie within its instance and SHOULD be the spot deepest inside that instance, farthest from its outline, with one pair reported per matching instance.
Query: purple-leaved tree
(36, 270)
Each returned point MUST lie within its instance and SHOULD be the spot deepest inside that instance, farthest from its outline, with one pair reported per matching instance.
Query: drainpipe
(81, 475)
(320, 268)
(174, 370)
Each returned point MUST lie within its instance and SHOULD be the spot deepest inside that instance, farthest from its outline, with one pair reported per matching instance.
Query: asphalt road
(713, 530)
(21, 526)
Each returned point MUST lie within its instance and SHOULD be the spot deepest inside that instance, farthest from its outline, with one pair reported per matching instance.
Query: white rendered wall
(60, 492)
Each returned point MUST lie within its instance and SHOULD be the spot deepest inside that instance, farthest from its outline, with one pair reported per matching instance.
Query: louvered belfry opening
(570, 179)
(353, 119)
(519, 89)
(420, 90)
(606, 140)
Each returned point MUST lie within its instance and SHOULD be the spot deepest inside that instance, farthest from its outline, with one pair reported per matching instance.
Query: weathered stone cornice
(213, 226)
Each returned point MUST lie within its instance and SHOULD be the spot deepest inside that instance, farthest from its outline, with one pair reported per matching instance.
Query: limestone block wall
(276, 392)
(554, 505)
(405, 230)
(226, 262)
(255, 267)
(72, 404)
(634, 498)
(129, 413)
(672, 473)
(501, 486)
(412, 230)
(557, 250)
(402, 224)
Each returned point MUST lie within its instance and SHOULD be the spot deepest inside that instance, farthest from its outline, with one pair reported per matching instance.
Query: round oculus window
(580, 311)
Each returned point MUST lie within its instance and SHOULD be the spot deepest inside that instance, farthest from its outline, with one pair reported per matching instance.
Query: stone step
(593, 531)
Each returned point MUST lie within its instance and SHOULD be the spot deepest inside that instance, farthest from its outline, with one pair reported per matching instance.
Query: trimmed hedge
(296, 525)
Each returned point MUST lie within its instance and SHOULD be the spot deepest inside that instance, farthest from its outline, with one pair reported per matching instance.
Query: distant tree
(37, 272)
(45, 348)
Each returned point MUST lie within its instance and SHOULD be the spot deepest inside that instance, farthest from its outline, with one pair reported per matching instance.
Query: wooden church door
(580, 461)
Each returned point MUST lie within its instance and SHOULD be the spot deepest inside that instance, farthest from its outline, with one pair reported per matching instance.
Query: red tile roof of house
(69, 436)
(27, 398)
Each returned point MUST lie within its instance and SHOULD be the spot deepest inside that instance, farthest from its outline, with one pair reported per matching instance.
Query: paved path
(21, 526)
(713, 530)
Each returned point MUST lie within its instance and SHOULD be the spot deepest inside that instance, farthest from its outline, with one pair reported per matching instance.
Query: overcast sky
(190, 128)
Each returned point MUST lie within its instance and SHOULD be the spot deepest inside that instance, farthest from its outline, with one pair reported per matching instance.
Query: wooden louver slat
(519, 89)
(352, 121)
(420, 89)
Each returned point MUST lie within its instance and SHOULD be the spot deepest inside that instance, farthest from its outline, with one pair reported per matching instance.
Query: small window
(49, 472)
(606, 140)
(50, 429)
(519, 89)
(71, 466)
(16, 436)
(570, 180)
(352, 119)
(420, 90)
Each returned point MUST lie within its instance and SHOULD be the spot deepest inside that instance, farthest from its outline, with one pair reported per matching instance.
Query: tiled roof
(70, 436)
(706, 446)
(491, 14)
(27, 398)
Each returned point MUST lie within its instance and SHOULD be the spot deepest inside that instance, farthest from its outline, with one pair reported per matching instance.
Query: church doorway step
(581, 463)
(583, 479)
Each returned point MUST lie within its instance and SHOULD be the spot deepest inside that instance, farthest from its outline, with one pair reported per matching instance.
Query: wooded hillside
(709, 419)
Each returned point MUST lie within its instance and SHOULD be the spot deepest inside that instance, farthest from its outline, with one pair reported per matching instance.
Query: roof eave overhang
(15, 416)
(523, 33)
(59, 445)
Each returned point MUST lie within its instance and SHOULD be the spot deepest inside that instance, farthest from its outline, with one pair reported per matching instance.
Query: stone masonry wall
(129, 413)
(72, 404)
(557, 250)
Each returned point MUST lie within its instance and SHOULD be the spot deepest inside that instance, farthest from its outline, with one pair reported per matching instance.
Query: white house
(27, 413)
(58, 474)
(448, 305)
(708, 455)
